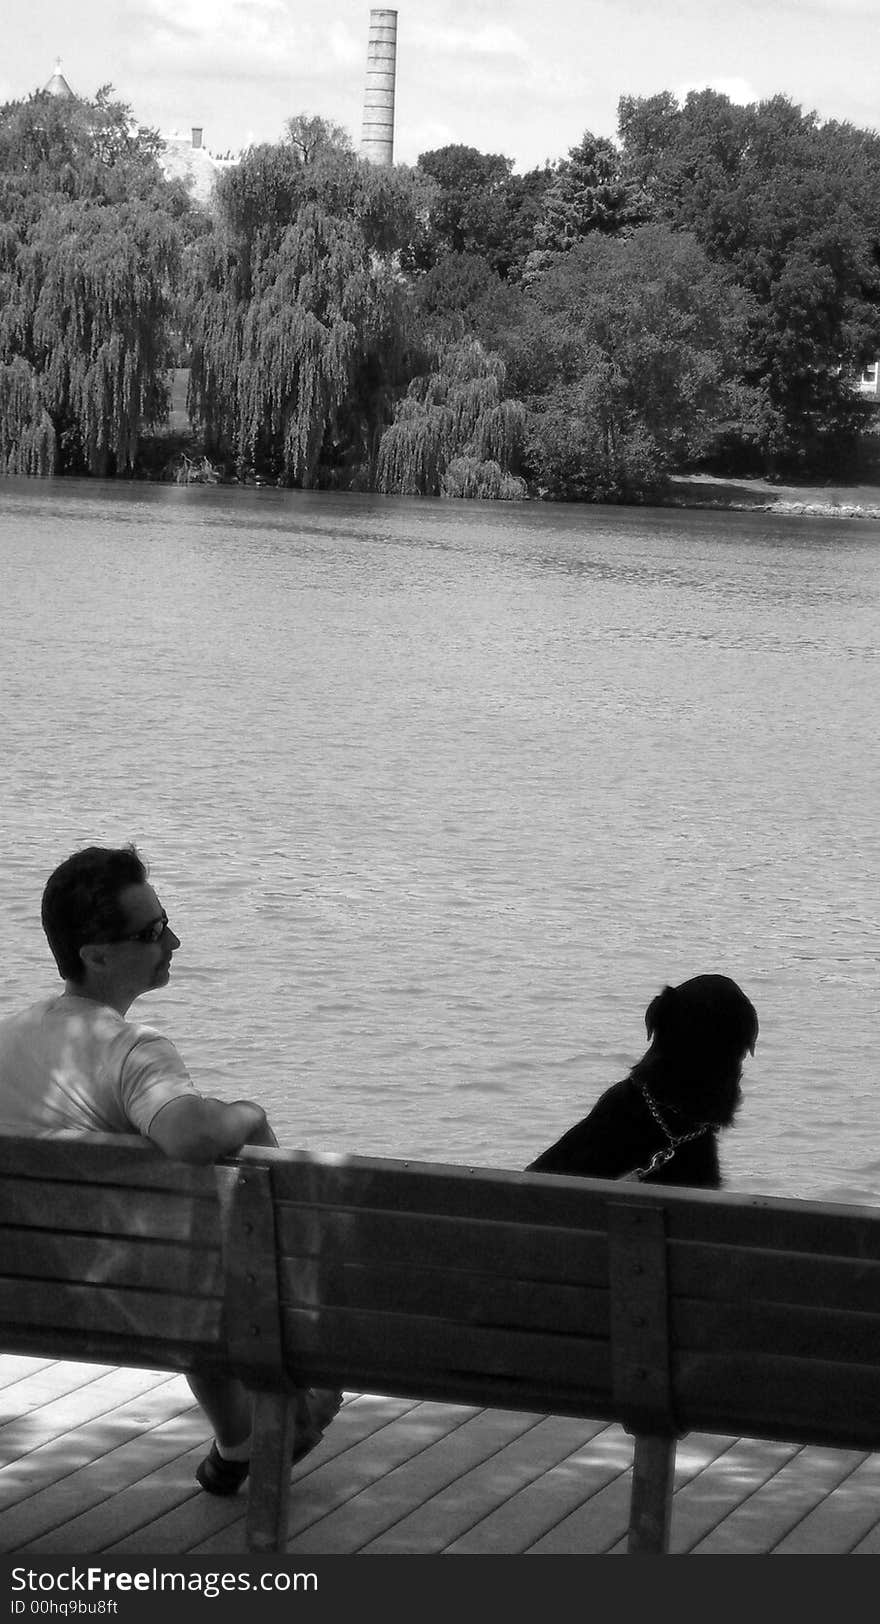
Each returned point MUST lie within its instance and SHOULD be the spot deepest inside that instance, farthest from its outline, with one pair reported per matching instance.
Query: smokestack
(377, 137)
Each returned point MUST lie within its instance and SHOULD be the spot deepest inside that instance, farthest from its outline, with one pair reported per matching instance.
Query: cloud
(834, 9)
(345, 48)
(489, 40)
(736, 90)
(240, 39)
(251, 24)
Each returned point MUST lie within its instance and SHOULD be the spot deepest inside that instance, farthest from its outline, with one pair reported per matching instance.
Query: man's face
(137, 964)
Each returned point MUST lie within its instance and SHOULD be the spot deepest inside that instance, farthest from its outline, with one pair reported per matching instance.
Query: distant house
(185, 158)
(869, 382)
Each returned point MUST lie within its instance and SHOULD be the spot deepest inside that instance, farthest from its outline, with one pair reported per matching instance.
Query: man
(73, 1064)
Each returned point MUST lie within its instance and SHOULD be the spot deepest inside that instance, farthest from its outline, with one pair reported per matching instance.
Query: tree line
(703, 292)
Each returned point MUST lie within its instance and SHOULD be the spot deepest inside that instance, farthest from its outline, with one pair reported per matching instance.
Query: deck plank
(38, 1387)
(64, 1478)
(100, 1528)
(337, 1482)
(762, 1521)
(60, 1411)
(567, 1496)
(730, 1478)
(600, 1526)
(363, 1415)
(844, 1519)
(99, 1460)
(446, 1520)
(18, 1365)
(447, 1463)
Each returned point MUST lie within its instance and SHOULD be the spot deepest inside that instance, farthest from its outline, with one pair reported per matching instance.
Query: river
(438, 795)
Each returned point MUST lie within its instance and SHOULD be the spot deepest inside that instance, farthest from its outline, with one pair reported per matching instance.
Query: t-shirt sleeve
(153, 1075)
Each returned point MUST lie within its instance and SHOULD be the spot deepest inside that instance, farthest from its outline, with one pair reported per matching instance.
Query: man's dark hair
(81, 902)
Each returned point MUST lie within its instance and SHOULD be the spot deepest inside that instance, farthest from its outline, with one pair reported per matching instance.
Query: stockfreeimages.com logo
(74, 1583)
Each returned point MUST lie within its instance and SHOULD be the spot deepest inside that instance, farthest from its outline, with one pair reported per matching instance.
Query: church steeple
(58, 85)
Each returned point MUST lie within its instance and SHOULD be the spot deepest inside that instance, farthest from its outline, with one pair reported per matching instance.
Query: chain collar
(667, 1151)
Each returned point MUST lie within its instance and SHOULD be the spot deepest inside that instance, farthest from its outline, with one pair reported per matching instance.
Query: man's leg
(228, 1406)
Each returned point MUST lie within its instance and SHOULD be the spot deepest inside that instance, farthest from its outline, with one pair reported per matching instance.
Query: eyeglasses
(153, 932)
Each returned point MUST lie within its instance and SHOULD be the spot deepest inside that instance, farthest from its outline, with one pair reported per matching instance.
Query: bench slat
(707, 1269)
(474, 1296)
(412, 1187)
(124, 1159)
(411, 1348)
(544, 1200)
(102, 1210)
(156, 1353)
(773, 1396)
(751, 1326)
(152, 1265)
(103, 1311)
(516, 1250)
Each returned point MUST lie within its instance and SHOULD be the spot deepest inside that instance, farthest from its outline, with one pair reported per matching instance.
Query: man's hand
(263, 1135)
(195, 1129)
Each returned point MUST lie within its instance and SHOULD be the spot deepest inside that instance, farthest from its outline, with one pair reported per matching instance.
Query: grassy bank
(827, 500)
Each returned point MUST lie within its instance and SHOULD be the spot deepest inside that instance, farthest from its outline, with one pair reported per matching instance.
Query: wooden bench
(666, 1310)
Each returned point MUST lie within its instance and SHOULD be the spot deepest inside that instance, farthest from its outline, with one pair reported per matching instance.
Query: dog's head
(708, 1015)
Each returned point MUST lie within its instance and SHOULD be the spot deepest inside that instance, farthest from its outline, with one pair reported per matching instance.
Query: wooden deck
(96, 1460)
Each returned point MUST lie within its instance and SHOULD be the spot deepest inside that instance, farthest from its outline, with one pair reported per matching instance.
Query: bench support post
(269, 1494)
(650, 1511)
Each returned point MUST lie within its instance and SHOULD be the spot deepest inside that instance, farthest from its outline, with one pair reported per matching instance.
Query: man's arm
(195, 1129)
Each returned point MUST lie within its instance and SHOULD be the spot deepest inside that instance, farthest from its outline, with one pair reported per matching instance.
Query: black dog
(661, 1123)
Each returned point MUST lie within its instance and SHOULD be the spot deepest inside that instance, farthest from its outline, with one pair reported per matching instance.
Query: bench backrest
(110, 1252)
(670, 1310)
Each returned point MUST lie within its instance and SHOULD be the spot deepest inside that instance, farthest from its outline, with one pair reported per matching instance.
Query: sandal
(315, 1409)
(221, 1476)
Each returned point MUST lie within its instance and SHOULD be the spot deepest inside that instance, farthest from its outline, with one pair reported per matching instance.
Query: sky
(508, 76)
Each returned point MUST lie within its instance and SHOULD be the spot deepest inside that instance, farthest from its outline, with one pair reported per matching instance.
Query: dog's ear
(658, 1010)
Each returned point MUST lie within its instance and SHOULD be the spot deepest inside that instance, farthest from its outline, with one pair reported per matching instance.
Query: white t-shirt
(69, 1065)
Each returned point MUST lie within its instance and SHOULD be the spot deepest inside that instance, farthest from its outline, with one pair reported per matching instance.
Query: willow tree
(89, 246)
(455, 432)
(297, 315)
(28, 443)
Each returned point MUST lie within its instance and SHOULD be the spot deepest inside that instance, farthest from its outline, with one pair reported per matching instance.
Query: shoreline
(747, 495)
(708, 492)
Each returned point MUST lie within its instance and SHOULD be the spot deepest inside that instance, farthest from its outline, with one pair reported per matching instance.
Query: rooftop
(58, 85)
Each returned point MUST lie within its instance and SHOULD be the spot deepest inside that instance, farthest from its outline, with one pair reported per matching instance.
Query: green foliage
(481, 480)
(467, 209)
(297, 323)
(628, 363)
(790, 207)
(585, 445)
(259, 198)
(476, 206)
(461, 296)
(437, 329)
(90, 240)
(455, 432)
(591, 192)
(27, 434)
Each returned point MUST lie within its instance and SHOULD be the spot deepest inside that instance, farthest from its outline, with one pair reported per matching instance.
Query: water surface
(438, 795)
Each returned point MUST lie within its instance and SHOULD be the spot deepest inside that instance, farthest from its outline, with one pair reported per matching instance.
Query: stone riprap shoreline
(857, 501)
